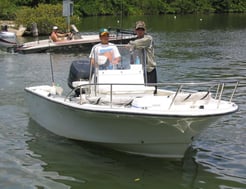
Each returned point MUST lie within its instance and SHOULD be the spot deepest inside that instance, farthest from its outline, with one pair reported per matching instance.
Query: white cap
(55, 27)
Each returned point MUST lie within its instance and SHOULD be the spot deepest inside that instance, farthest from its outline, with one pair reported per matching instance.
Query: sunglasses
(140, 29)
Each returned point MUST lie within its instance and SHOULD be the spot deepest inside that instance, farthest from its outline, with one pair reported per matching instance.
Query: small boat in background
(8, 40)
(10, 26)
(19, 32)
(8, 37)
(113, 106)
(75, 43)
(84, 42)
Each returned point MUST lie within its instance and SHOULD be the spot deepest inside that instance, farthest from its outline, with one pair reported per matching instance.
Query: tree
(7, 10)
(34, 3)
(45, 16)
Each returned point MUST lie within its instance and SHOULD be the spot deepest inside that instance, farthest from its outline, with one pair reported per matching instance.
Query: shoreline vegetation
(46, 13)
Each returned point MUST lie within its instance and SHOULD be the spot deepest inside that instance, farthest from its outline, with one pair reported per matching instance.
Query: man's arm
(141, 43)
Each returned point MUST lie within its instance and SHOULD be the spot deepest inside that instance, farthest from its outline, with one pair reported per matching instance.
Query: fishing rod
(119, 30)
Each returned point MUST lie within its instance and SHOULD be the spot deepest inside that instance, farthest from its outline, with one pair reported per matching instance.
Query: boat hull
(136, 133)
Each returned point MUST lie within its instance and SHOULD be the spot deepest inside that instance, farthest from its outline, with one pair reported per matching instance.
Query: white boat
(7, 39)
(77, 42)
(115, 108)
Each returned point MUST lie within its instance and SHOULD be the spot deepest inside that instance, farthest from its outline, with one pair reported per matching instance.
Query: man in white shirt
(104, 52)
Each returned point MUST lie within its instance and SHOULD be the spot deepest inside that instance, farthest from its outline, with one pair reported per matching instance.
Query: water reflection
(20, 167)
(98, 167)
(223, 153)
(79, 164)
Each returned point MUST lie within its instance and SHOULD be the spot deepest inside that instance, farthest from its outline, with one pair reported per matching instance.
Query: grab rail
(178, 90)
(180, 86)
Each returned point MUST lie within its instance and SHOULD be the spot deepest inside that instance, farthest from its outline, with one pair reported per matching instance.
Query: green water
(188, 48)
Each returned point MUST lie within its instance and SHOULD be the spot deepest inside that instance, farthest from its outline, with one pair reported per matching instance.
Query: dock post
(34, 29)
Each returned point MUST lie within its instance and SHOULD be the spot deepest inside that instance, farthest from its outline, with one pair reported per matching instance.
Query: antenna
(51, 65)
(51, 69)
(121, 14)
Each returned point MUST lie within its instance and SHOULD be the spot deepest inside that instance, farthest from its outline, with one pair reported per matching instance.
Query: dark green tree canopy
(133, 7)
(47, 12)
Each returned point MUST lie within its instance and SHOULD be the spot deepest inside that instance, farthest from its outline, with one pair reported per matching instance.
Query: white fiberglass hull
(130, 130)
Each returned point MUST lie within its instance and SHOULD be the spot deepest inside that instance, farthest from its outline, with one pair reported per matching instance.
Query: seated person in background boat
(144, 41)
(56, 36)
(4, 27)
(105, 54)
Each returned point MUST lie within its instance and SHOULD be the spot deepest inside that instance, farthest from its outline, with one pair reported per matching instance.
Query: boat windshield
(106, 60)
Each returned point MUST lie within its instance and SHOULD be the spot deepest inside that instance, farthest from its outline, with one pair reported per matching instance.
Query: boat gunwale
(109, 108)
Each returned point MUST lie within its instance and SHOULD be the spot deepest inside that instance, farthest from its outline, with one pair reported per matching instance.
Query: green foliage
(34, 3)
(237, 6)
(203, 6)
(7, 10)
(149, 7)
(99, 7)
(220, 5)
(45, 16)
(28, 11)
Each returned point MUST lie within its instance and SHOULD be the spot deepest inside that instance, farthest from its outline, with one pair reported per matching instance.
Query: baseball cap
(103, 31)
(140, 24)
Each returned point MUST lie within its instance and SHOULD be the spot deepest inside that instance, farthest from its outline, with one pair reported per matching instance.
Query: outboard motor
(79, 70)
(8, 39)
(75, 32)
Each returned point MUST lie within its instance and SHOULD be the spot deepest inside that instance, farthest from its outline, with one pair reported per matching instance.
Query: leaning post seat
(131, 81)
